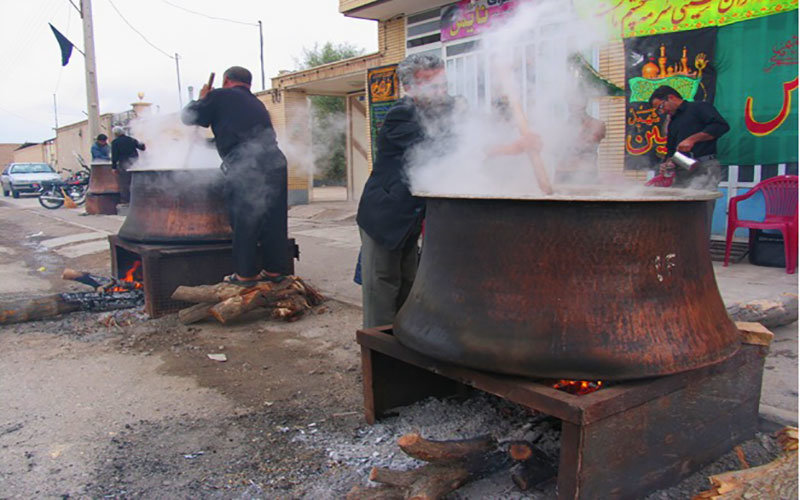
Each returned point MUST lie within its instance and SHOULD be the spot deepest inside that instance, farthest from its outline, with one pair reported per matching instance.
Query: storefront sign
(384, 91)
(471, 17)
(757, 90)
(631, 18)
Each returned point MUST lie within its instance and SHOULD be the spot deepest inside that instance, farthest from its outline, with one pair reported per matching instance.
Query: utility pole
(92, 102)
(55, 111)
(178, 71)
(261, 44)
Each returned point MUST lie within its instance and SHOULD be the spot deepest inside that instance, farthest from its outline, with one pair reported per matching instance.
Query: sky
(30, 58)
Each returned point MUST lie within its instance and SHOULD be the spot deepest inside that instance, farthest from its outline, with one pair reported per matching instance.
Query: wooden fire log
(450, 465)
(288, 300)
(427, 450)
(207, 293)
(776, 479)
(33, 309)
(533, 467)
(195, 313)
(770, 313)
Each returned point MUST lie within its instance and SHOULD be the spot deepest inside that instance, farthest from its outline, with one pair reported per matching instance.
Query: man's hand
(686, 145)
(205, 90)
(666, 168)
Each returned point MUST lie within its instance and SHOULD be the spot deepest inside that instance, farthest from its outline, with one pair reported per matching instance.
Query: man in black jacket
(389, 216)
(255, 174)
(124, 153)
(693, 129)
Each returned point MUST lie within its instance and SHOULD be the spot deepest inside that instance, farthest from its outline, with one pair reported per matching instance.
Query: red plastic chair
(780, 198)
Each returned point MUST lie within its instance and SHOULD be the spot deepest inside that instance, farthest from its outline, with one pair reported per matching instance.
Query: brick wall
(7, 153)
(31, 154)
(74, 138)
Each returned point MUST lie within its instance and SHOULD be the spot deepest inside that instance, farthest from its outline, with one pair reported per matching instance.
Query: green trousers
(387, 276)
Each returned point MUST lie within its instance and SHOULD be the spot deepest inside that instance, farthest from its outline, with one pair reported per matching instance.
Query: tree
(328, 121)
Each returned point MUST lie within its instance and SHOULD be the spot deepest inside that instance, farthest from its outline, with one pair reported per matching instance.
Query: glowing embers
(132, 280)
(578, 387)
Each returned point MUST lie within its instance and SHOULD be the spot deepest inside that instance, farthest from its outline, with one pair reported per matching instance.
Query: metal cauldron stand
(622, 441)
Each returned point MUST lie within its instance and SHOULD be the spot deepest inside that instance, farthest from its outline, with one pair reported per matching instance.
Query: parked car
(26, 177)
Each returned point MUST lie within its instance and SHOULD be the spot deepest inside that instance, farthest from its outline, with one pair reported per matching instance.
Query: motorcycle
(51, 193)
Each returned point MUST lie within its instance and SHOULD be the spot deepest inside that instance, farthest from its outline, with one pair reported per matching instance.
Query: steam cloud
(173, 145)
(456, 160)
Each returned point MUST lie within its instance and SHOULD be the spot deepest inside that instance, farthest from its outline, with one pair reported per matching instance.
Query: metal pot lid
(592, 193)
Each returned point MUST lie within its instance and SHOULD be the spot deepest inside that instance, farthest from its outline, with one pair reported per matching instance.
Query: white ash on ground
(376, 446)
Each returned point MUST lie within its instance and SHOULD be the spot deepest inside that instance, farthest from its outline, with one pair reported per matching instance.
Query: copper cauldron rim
(577, 193)
(172, 169)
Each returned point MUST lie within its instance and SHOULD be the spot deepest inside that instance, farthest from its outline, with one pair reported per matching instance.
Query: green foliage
(328, 121)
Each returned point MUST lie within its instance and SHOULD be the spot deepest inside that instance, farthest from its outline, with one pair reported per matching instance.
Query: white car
(26, 177)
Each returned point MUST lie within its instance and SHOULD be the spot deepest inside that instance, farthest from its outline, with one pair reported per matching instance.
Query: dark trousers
(387, 276)
(124, 181)
(257, 204)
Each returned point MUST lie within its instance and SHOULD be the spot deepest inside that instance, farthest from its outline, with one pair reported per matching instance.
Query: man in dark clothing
(255, 174)
(389, 216)
(124, 153)
(693, 129)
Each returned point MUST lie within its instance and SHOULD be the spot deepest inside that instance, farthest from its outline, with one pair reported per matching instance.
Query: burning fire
(128, 282)
(578, 387)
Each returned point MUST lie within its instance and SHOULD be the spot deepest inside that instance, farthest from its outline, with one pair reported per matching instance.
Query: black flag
(66, 45)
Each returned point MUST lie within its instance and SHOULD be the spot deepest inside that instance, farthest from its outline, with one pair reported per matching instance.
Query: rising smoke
(529, 65)
(172, 145)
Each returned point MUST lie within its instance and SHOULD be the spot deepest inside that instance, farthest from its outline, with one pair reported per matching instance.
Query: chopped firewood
(533, 467)
(287, 300)
(32, 309)
(520, 450)
(776, 479)
(451, 464)
(418, 447)
(754, 333)
(236, 306)
(207, 293)
(437, 482)
(375, 493)
(195, 313)
(61, 303)
(770, 313)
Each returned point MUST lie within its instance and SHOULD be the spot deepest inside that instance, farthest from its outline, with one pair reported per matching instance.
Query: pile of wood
(288, 300)
(776, 479)
(450, 465)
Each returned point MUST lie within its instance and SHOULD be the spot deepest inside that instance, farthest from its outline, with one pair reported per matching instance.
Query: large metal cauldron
(176, 206)
(576, 287)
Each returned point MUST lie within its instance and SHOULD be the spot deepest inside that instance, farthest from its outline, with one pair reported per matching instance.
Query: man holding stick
(255, 174)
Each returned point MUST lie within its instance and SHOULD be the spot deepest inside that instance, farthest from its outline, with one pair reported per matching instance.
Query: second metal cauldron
(176, 206)
(576, 287)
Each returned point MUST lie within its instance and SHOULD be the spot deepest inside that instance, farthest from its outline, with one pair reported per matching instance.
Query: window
(423, 33)
(31, 168)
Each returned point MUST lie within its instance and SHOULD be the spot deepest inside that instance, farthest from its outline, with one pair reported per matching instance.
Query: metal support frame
(620, 442)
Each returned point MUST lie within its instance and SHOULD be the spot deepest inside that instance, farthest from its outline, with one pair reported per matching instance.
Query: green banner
(757, 92)
(630, 18)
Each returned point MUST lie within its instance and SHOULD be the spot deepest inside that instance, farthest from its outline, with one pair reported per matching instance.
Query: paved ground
(329, 243)
(121, 407)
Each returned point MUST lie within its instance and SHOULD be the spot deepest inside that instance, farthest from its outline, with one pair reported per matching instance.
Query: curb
(771, 418)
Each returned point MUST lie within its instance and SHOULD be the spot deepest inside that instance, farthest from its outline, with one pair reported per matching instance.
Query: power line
(138, 32)
(207, 16)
